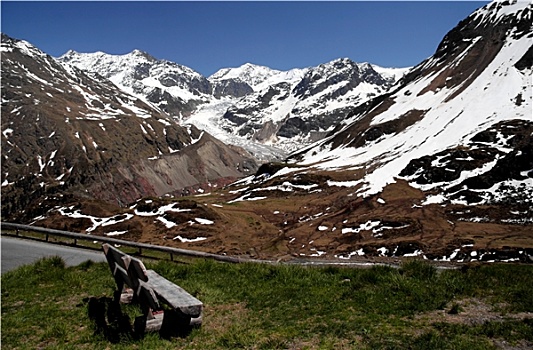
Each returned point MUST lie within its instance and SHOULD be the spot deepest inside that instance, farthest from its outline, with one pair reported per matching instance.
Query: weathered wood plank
(117, 266)
(114, 255)
(154, 325)
(173, 295)
(147, 296)
(137, 274)
(135, 268)
(123, 275)
(126, 297)
(143, 325)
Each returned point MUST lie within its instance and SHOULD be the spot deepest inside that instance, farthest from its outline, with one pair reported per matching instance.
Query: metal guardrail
(86, 237)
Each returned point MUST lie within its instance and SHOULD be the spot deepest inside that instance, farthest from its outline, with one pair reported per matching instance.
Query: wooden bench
(151, 291)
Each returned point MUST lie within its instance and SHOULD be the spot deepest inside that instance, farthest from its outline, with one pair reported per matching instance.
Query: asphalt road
(17, 252)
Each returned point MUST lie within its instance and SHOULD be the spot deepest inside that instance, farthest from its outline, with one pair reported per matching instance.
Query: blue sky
(207, 36)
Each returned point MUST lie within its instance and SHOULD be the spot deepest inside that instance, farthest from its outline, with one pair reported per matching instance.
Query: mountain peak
(143, 54)
(70, 53)
(499, 9)
(249, 65)
(344, 60)
(174, 88)
(443, 104)
(239, 72)
(252, 74)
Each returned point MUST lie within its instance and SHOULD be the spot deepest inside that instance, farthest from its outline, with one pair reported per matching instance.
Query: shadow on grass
(109, 320)
(115, 326)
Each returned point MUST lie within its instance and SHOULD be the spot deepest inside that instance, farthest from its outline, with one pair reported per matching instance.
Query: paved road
(17, 252)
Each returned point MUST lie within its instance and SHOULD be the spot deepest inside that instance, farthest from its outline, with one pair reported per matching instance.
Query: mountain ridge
(245, 90)
(438, 167)
(442, 85)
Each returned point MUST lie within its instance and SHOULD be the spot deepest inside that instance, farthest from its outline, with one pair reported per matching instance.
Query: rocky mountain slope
(445, 158)
(296, 112)
(462, 113)
(70, 133)
(255, 76)
(174, 88)
(267, 111)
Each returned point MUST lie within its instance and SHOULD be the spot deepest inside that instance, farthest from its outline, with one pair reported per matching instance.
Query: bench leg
(175, 323)
(120, 286)
(122, 294)
(150, 321)
(143, 325)
(168, 323)
(196, 321)
(125, 296)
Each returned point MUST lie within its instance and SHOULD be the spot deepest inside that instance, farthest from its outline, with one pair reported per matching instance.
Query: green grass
(254, 306)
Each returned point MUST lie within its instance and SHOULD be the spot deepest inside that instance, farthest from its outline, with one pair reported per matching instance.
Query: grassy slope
(256, 306)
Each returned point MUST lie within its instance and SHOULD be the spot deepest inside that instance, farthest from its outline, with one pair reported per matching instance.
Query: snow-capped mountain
(267, 111)
(293, 108)
(478, 82)
(391, 74)
(67, 133)
(257, 77)
(174, 88)
(441, 166)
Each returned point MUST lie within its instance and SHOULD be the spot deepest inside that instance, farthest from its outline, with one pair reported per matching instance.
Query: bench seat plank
(173, 295)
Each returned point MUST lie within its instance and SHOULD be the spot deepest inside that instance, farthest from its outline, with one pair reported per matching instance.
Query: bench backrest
(135, 268)
(116, 265)
(131, 271)
(138, 276)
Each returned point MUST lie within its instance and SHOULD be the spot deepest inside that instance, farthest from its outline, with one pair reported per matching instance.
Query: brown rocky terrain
(282, 219)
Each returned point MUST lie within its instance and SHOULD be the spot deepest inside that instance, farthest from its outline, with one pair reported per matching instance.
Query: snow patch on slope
(446, 124)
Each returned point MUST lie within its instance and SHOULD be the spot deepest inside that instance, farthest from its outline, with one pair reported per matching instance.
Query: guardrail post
(47, 237)
(171, 257)
(140, 251)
